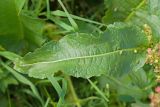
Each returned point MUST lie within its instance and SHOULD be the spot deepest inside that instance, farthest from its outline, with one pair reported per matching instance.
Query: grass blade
(23, 80)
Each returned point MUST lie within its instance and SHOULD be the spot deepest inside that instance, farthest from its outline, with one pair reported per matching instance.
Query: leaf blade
(86, 55)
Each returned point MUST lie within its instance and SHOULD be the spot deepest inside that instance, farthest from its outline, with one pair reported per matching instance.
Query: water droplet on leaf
(120, 52)
(135, 51)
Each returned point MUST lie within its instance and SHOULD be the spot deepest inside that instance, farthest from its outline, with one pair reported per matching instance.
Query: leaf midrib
(83, 57)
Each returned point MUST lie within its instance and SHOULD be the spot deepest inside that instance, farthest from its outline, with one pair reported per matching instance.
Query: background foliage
(83, 53)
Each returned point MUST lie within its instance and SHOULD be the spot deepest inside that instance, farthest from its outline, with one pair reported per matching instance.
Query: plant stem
(9, 100)
(88, 99)
(37, 10)
(73, 93)
(98, 90)
(48, 95)
(47, 102)
(73, 23)
(48, 9)
(133, 12)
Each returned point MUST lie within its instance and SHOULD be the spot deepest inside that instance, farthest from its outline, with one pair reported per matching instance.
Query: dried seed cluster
(154, 59)
(153, 53)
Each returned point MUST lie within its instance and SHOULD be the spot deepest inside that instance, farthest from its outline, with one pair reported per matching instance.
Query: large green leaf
(11, 28)
(118, 50)
(119, 10)
(133, 84)
(123, 87)
(150, 16)
(16, 26)
(154, 7)
(33, 30)
(140, 12)
(153, 19)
